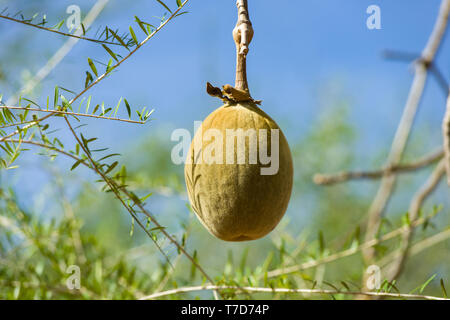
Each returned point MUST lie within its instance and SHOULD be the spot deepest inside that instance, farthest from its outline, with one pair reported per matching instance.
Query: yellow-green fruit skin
(235, 202)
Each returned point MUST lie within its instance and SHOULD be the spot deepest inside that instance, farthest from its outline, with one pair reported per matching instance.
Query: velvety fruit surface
(235, 202)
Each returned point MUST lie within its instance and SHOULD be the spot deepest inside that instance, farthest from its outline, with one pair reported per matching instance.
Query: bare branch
(327, 179)
(404, 128)
(242, 35)
(410, 57)
(416, 204)
(288, 291)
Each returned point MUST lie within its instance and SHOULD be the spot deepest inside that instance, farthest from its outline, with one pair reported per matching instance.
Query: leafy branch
(57, 27)
(75, 114)
(350, 251)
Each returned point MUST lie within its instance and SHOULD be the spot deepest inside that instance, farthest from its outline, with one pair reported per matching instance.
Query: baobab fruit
(239, 172)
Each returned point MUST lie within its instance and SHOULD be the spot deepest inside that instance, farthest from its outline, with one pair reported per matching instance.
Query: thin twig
(327, 179)
(242, 35)
(345, 253)
(409, 57)
(417, 247)
(400, 55)
(72, 35)
(35, 143)
(292, 291)
(71, 114)
(414, 210)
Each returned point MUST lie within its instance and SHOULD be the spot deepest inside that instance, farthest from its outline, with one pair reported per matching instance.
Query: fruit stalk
(242, 35)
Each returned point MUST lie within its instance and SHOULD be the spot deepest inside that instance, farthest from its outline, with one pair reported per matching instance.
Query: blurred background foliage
(51, 218)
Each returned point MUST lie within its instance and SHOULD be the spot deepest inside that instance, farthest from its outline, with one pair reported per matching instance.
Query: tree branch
(72, 35)
(242, 35)
(290, 291)
(416, 204)
(404, 128)
(345, 253)
(417, 247)
(327, 179)
(68, 113)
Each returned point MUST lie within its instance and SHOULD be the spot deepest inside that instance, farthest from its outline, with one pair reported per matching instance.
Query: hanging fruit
(239, 171)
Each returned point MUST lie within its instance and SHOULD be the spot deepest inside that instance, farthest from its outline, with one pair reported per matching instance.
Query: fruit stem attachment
(242, 35)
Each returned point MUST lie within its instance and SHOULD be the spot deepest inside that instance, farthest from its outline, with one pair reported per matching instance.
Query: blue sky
(301, 52)
(304, 58)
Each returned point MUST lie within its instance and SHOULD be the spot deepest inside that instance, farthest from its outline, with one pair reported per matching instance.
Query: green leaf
(111, 167)
(108, 67)
(55, 100)
(66, 104)
(59, 25)
(117, 107)
(193, 266)
(444, 292)
(76, 164)
(88, 103)
(426, 283)
(141, 25)
(70, 91)
(31, 102)
(112, 54)
(104, 112)
(6, 150)
(146, 197)
(179, 3)
(181, 13)
(85, 142)
(164, 5)
(92, 65)
(132, 227)
(109, 155)
(321, 242)
(345, 285)
(119, 39)
(133, 35)
(88, 80)
(128, 108)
